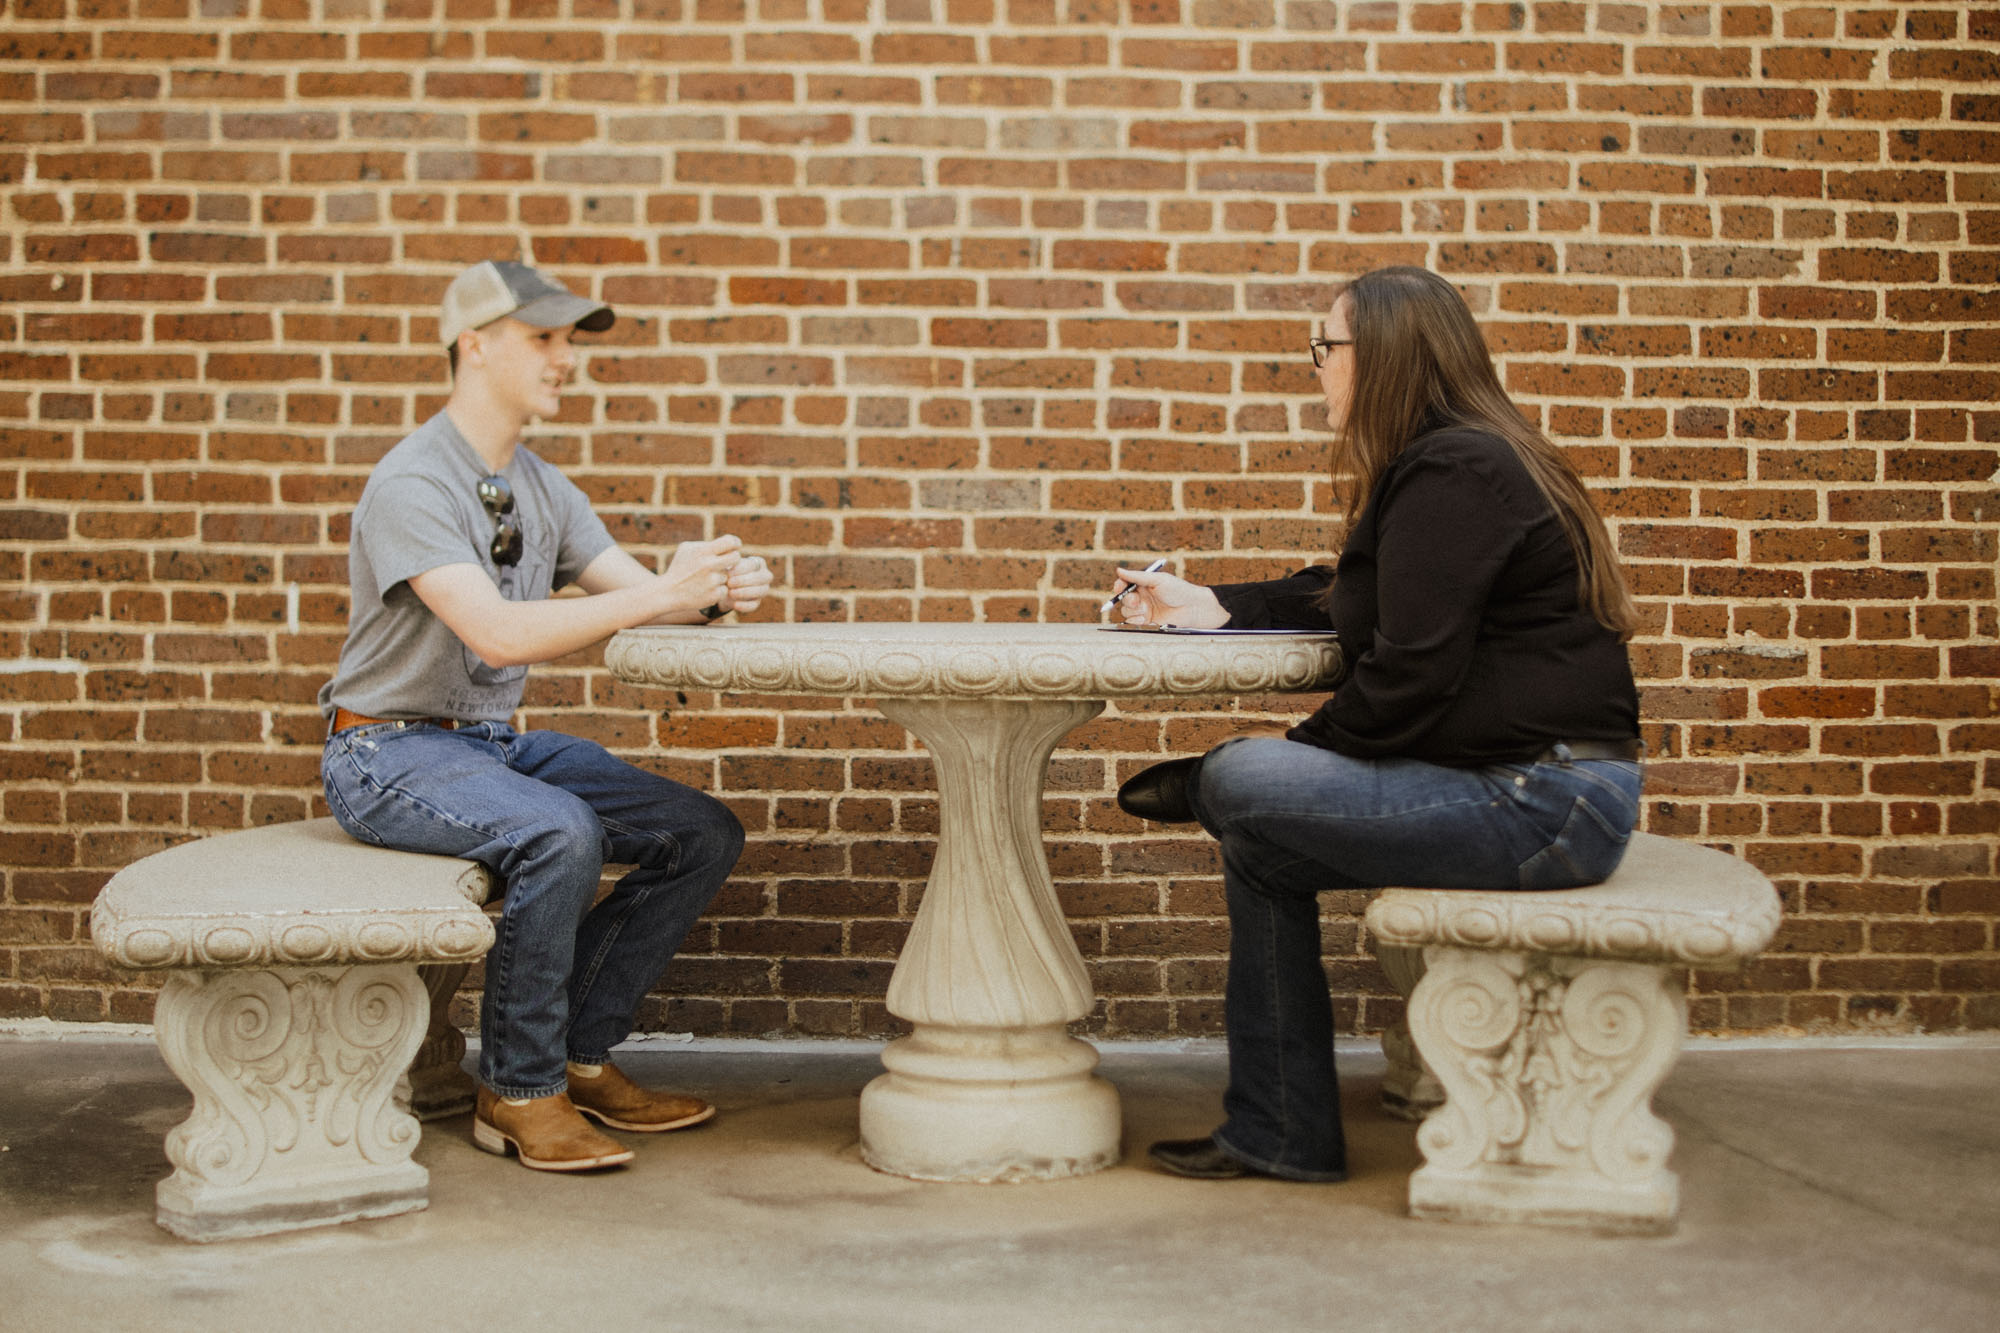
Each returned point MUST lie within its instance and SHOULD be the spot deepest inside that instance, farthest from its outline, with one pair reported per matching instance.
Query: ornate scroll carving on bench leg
(1549, 1066)
(990, 1086)
(1409, 1090)
(296, 1122)
(439, 1086)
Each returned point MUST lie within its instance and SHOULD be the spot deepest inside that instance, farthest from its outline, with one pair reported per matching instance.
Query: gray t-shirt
(421, 511)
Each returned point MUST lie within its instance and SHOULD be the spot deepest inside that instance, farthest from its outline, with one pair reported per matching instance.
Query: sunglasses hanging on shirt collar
(498, 497)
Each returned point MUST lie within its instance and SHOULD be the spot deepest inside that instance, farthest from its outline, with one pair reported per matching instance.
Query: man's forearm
(504, 633)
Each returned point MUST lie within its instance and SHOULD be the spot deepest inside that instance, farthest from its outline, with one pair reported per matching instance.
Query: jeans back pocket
(1586, 851)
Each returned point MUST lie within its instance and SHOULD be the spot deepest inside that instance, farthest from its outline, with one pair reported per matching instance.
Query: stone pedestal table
(989, 1086)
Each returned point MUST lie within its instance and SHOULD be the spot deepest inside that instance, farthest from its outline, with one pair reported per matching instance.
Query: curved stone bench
(1540, 1024)
(292, 1012)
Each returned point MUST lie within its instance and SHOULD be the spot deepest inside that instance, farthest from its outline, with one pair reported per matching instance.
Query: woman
(1486, 733)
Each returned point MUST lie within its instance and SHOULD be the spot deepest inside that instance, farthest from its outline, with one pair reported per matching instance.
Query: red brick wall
(944, 304)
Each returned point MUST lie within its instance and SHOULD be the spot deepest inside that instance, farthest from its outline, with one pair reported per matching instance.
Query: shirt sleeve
(410, 528)
(1444, 536)
(1296, 601)
(584, 536)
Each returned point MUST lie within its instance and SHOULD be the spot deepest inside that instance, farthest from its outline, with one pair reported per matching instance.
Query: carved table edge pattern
(770, 659)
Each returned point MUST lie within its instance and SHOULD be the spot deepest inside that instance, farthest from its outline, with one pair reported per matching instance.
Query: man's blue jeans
(1294, 820)
(544, 812)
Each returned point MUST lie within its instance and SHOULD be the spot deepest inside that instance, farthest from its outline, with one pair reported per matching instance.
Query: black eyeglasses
(498, 497)
(1321, 346)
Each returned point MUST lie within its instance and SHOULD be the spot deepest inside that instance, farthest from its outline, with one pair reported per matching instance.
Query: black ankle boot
(1198, 1159)
(1160, 793)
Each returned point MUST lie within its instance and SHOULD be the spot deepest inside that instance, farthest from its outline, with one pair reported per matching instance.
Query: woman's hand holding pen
(1154, 597)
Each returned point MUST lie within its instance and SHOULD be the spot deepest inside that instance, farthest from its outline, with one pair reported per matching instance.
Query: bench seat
(1539, 1025)
(292, 1010)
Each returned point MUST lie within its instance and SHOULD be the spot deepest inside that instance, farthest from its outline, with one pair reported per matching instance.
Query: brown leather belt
(1566, 750)
(342, 720)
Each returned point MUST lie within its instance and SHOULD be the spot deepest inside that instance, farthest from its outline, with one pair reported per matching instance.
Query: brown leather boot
(612, 1099)
(546, 1132)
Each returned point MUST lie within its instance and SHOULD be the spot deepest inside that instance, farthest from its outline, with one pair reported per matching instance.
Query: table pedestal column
(989, 1086)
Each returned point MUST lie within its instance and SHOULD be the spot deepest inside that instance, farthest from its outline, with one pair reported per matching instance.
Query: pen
(1119, 596)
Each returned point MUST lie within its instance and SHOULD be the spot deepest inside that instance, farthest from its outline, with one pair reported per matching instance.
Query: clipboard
(1222, 633)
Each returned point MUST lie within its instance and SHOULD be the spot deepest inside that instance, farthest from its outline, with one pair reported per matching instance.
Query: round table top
(937, 660)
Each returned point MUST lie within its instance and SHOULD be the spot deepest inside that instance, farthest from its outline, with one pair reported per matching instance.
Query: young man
(459, 538)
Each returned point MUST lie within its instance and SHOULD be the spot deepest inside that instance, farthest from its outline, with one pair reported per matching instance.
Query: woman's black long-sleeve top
(1456, 603)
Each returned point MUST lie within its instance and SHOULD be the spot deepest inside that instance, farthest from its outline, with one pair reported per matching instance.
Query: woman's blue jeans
(544, 812)
(1294, 820)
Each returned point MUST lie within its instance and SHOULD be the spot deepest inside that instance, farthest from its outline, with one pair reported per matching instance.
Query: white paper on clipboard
(1224, 632)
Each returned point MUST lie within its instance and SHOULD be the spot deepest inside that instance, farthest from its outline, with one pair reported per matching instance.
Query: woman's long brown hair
(1420, 365)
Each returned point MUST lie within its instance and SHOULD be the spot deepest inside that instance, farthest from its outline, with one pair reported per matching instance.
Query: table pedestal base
(988, 1105)
(990, 1086)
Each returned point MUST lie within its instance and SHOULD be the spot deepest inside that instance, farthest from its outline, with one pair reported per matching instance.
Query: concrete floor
(1824, 1187)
